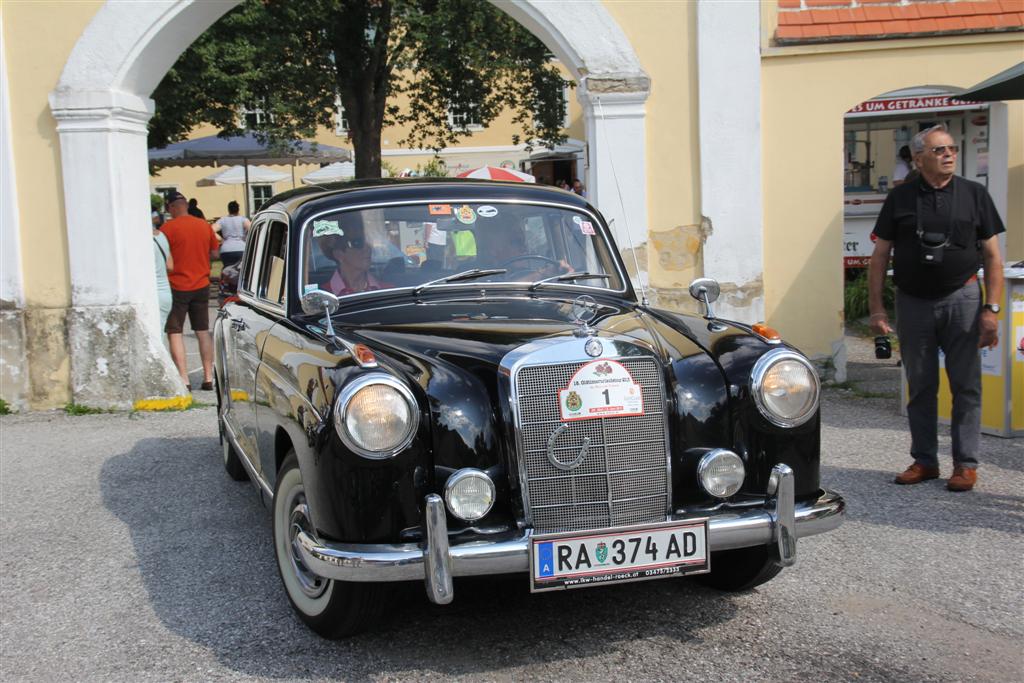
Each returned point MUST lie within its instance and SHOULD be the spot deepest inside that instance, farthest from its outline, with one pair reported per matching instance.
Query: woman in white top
(232, 230)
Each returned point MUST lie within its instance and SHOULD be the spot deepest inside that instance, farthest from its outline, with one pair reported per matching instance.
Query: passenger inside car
(352, 253)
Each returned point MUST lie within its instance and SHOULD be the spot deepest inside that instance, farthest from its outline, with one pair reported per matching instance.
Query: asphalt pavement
(126, 554)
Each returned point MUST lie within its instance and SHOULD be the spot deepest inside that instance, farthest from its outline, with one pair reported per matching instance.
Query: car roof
(417, 189)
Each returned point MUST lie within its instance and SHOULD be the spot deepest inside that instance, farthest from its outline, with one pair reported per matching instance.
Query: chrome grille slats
(623, 479)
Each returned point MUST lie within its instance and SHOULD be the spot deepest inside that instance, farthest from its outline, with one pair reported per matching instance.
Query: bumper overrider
(779, 523)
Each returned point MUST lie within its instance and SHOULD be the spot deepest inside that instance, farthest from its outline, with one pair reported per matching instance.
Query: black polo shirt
(962, 210)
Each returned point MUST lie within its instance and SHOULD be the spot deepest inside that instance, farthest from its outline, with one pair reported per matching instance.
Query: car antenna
(625, 215)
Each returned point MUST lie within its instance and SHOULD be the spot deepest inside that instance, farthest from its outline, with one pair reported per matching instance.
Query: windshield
(361, 250)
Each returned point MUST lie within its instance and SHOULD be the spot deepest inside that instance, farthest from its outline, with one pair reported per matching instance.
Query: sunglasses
(940, 150)
(353, 243)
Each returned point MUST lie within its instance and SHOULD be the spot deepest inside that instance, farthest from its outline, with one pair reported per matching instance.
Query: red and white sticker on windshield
(601, 388)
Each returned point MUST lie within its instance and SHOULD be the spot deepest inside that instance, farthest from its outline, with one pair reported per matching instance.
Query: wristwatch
(993, 307)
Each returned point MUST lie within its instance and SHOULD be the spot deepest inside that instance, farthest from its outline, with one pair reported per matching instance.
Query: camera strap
(952, 212)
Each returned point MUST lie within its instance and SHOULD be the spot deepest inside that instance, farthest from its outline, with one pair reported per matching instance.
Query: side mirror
(706, 290)
(319, 301)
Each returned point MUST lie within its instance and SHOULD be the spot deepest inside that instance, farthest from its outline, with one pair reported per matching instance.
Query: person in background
(939, 228)
(194, 210)
(577, 187)
(163, 262)
(232, 230)
(193, 243)
(904, 170)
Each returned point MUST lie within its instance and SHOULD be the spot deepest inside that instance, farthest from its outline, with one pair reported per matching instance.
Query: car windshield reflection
(411, 245)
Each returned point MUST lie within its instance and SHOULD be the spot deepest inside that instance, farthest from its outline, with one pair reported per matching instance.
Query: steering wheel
(529, 257)
(545, 264)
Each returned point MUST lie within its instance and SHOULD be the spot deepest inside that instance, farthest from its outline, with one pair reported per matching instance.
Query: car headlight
(785, 387)
(469, 494)
(721, 472)
(376, 416)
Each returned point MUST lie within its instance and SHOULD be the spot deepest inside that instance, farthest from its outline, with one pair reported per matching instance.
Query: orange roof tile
(821, 20)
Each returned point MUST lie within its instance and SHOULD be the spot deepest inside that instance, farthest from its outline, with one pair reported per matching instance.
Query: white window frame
(456, 125)
(254, 203)
(256, 111)
(341, 125)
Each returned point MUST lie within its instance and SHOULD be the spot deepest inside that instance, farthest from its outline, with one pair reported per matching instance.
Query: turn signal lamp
(769, 333)
(364, 356)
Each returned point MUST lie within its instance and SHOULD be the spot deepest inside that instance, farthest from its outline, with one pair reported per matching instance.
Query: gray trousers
(924, 326)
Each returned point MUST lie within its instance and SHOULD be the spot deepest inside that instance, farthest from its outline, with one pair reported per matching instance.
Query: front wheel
(740, 569)
(334, 609)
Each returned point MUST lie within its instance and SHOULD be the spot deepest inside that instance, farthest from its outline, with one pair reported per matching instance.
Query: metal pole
(248, 209)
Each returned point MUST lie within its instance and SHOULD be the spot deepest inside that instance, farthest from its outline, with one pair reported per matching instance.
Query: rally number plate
(653, 551)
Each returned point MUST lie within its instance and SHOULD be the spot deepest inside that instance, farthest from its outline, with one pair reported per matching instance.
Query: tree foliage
(296, 60)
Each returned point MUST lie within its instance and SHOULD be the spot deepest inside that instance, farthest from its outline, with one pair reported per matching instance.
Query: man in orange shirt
(193, 243)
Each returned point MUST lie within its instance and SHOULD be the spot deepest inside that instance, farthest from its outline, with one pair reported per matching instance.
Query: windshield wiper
(564, 277)
(471, 274)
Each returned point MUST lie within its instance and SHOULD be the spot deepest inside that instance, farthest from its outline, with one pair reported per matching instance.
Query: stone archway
(102, 106)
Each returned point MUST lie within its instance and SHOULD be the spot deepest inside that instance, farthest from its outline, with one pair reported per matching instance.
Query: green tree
(296, 59)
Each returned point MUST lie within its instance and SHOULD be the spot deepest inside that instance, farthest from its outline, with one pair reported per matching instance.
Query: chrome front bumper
(779, 523)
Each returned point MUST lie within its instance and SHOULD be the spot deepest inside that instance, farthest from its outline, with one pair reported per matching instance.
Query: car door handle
(237, 324)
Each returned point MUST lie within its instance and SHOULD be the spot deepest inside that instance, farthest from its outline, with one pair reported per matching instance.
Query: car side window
(274, 261)
(245, 282)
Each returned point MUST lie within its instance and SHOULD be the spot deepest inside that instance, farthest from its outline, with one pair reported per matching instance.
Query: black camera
(883, 347)
(933, 245)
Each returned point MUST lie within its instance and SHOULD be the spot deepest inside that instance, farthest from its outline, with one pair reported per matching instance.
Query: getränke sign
(898, 104)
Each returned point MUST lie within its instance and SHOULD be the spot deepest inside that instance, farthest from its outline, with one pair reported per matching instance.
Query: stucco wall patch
(46, 349)
(14, 381)
(679, 249)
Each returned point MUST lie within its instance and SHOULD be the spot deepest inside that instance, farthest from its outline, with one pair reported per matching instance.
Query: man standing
(193, 243)
(939, 227)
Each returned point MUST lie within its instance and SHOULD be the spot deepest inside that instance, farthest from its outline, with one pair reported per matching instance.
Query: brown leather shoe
(963, 479)
(917, 473)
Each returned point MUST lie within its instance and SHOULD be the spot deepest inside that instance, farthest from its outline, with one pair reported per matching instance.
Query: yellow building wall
(804, 94)
(663, 34)
(33, 69)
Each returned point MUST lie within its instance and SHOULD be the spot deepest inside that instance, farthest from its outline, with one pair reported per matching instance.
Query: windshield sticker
(323, 228)
(466, 215)
(487, 211)
(586, 227)
(311, 287)
(439, 209)
(601, 388)
(577, 220)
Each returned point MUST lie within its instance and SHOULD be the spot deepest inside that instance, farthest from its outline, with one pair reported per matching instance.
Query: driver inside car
(505, 247)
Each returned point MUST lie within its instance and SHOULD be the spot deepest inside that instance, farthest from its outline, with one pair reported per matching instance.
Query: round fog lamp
(469, 494)
(721, 472)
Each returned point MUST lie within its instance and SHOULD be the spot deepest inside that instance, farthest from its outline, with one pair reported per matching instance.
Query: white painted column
(13, 364)
(729, 68)
(115, 344)
(616, 174)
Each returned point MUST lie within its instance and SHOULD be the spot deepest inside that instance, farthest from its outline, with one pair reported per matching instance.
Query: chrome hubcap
(311, 584)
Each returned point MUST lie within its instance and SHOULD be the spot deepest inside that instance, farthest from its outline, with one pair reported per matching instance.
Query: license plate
(590, 558)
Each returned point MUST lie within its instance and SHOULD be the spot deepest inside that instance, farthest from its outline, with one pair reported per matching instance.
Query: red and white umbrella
(495, 173)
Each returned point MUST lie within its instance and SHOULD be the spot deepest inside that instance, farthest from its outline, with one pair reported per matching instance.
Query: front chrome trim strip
(407, 561)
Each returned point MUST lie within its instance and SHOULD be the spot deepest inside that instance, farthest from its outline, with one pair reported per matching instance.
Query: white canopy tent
(241, 175)
(340, 170)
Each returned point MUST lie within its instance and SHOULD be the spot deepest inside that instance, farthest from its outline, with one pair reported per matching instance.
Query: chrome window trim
(620, 271)
(761, 367)
(571, 349)
(265, 218)
(341, 409)
(465, 473)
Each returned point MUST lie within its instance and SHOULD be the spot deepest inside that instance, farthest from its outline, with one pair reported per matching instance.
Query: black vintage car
(429, 380)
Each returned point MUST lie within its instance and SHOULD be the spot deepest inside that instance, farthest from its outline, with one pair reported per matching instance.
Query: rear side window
(245, 281)
(274, 262)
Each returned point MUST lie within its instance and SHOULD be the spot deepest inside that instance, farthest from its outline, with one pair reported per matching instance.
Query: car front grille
(623, 478)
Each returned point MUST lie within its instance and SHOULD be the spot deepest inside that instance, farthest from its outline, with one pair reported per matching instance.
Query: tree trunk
(366, 141)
